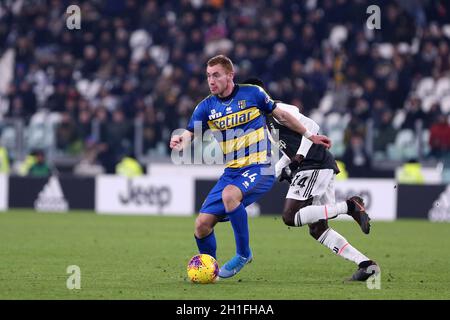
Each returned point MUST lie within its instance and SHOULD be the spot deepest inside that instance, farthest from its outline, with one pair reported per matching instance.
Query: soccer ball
(203, 268)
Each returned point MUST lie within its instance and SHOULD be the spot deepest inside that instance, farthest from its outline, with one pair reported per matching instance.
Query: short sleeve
(265, 102)
(198, 117)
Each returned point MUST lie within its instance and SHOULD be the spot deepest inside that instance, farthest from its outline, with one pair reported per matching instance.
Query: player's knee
(202, 228)
(227, 197)
(317, 229)
(230, 196)
(289, 216)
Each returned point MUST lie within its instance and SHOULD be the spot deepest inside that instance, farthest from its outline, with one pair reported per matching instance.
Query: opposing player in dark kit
(311, 171)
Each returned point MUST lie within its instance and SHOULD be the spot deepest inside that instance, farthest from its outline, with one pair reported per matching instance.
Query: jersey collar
(232, 94)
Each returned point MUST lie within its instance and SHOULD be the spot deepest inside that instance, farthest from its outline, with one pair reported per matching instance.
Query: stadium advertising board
(168, 195)
(380, 196)
(434, 202)
(58, 194)
(3, 192)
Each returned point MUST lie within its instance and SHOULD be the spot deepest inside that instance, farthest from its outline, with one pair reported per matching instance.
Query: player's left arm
(292, 123)
(308, 123)
(305, 144)
(281, 164)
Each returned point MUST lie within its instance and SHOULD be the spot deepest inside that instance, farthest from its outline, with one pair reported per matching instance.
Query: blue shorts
(249, 180)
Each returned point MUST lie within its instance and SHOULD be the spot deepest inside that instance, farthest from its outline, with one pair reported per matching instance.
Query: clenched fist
(176, 142)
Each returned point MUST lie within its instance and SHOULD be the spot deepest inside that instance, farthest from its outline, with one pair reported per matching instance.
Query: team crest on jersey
(242, 104)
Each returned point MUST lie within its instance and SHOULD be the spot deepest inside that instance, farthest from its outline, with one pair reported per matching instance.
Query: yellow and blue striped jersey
(238, 124)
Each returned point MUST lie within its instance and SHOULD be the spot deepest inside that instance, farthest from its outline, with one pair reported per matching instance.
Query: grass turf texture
(136, 257)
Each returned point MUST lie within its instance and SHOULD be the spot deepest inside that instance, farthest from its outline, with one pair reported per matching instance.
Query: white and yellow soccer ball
(203, 268)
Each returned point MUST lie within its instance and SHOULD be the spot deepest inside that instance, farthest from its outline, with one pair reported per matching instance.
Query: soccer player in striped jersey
(311, 169)
(236, 116)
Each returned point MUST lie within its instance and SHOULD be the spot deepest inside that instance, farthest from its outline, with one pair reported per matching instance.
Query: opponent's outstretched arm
(292, 123)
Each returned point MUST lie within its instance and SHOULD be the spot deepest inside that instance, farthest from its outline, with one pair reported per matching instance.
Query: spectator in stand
(151, 134)
(67, 139)
(84, 125)
(356, 159)
(432, 115)
(413, 114)
(137, 54)
(118, 134)
(385, 132)
(129, 167)
(440, 137)
(355, 127)
(88, 165)
(28, 98)
(57, 101)
(39, 168)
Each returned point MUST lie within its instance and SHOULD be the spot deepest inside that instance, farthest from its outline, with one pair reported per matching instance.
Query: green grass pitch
(136, 257)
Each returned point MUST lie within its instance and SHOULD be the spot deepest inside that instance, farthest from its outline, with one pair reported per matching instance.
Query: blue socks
(207, 244)
(239, 222)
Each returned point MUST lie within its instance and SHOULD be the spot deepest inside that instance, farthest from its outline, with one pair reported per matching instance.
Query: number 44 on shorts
(251, 177)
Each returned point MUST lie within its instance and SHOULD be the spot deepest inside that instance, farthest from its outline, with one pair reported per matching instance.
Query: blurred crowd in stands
(145, 61)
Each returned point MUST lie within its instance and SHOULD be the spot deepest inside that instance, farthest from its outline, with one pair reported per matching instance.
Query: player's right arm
(181, 141)
(199, 117)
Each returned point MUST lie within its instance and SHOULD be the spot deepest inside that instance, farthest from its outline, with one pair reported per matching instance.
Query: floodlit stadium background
(378, 85)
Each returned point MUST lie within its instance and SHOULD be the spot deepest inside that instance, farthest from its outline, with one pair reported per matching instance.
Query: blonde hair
(224, 61)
